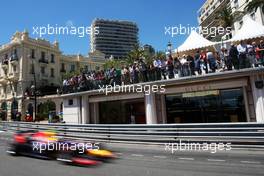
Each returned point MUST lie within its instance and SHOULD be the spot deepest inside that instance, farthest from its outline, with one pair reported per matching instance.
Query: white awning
(250, 29)
(194, 41)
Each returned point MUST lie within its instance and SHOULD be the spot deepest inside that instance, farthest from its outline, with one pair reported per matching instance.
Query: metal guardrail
(239, 134)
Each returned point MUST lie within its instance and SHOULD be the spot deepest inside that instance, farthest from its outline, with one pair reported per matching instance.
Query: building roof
(194, 41)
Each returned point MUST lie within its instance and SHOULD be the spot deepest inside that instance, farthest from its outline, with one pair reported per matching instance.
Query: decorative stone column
(85, 110)
(150, 107)
(257, 86)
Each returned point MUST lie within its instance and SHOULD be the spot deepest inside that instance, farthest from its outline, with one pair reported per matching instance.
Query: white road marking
(11, 152)
(250, 162)
(160, 157)
(1, 131)
(119, 153)
(216, 160)
(65, 160)
(186, 158)
(136, 155)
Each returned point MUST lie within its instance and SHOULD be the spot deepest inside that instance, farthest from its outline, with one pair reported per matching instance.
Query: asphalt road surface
(139, 160)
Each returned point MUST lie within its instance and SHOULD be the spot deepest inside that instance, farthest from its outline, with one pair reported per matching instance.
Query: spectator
(143, 70)
(211, 60)
(242, 55)
(203, 62)
(233, 54)
(260, 51)
(252, 53)
(170, 67)
(177, 67)
(197, 63)
(185, 70)
(190, 61)
(157, 66)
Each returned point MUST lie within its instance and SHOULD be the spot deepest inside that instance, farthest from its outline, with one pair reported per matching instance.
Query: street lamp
(34, 88)
(169, 47)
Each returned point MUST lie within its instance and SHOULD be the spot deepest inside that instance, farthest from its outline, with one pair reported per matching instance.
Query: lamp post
(169, 47)
(34, 88)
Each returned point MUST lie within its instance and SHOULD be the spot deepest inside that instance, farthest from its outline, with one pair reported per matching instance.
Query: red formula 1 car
(34, 144)
(83, 153)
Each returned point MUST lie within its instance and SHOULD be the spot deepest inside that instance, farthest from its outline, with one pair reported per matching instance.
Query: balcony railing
(5, 62)
(62, 70)
(14, 57)
(45, 61)
(44, 75)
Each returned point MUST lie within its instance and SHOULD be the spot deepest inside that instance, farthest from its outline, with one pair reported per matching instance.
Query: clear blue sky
(151, 16)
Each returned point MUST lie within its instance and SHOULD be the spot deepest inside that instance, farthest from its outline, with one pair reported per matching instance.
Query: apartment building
(113, 38)
(207, 15)
(28, 63)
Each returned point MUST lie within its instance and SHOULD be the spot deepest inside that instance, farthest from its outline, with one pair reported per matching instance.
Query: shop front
(213, 106)
(122, 112)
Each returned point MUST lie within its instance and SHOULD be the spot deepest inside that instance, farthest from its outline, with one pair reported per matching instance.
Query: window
(52, 72)
(253, 16)
(14, 68)
(32, 69)
(72, 68)
(52, 60)
(42, 55)
(86, 68)
(42, 70)
(63, 66)
(240, 24)
(4, 89)
(15, 87)
(32, 53)
(15, 52)
(70, 102)
(236, 4)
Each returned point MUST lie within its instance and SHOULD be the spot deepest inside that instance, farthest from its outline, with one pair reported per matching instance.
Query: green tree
(160, 55)
(112, 63)
(225, 17)
(68, 75)
(254, 5)
(44, 109)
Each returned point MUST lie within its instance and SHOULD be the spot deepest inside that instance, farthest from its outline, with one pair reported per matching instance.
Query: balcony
(44, 61)
(63, 70)
(3, 96)
(44, 76)
(3, 79)
(5, 64)
(13, 58)
(13, 76)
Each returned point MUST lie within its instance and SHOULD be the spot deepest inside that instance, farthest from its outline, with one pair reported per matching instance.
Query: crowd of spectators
(243, 55)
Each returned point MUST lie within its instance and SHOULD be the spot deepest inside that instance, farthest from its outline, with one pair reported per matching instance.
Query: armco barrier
(246, 135)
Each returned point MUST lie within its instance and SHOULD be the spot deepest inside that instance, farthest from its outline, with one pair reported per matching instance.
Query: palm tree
(135, 54)
(112, 63)
(254, 5)
(160, 55)
(129, 59)
(225, 17)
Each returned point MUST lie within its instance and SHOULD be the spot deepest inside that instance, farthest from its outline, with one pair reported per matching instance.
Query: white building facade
(27, 62)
